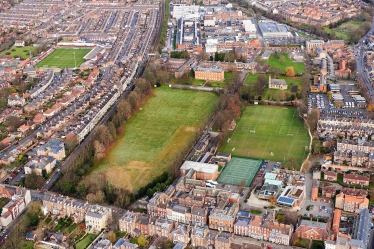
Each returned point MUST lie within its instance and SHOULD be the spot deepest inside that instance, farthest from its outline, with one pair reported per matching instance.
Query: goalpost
(252, 131)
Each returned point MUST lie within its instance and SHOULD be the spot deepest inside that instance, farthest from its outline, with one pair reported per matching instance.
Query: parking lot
(321, 209)
(326, 107)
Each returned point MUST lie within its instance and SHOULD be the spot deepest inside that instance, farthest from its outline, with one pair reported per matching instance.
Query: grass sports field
(267, 132)
(64, 58)
(274, 62)
(154, 135)
(239, 169)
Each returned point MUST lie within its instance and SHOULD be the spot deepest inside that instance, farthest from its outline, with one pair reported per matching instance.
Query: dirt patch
(190, 129)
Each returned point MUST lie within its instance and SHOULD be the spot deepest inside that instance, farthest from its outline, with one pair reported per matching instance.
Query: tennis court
(238, 170)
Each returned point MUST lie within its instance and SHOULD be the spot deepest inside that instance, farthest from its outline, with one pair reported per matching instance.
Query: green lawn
(86, 241)
(274, 94)
(343, 32)
(251, 79)
(217, 84)
(317, 244)
(301, 242)
(187, 81)
(164, 126)
(27, 245)
(274, 62)
(22, 52)
(229, 77)
(64, 58)
(3, 202)
(277, 131)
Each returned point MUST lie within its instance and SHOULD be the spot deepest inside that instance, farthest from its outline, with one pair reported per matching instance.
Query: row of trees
(230, 108)
(73, 182)
(180, 54)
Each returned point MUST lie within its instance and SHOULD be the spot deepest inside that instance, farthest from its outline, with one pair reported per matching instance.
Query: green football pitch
(238, 170)
(64, 58)
(269, 132)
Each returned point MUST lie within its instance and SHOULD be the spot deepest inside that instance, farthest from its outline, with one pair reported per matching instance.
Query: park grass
(271, 94)
(229, 77)
(343, 32)
(64, 58)
(84, 243)
(251, 79)
(218, 84)
(271, 124)
(164, 127)
(274, 62)
(22, 52)
(187, 81)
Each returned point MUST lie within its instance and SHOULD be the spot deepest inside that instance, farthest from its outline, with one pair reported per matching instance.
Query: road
(360, 48)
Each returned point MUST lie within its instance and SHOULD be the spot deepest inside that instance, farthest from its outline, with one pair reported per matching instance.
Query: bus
(353, 92)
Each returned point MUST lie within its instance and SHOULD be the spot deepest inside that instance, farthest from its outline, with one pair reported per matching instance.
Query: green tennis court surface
(238, 170)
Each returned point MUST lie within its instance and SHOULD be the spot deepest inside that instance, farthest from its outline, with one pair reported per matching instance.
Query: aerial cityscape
(172, 124)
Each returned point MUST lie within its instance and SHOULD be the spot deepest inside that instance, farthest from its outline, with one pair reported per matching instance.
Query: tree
(143, 87)
(142, 241)
(290, 71)
(291, 218)
(273, 200)
(71, 141)
(124, 109)
(275, 71)
(103, 135)
(245, 91)
(34, 181)
(99, 150)
(14, 122)
(260, 84)
(370, 108)
(230, 56)
(111, 236)
(316, 146)
(44, 174)
(312, 119)
(282, 58)
(134, 100)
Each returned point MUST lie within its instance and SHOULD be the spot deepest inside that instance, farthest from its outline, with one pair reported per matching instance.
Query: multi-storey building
(160, 227)
(350, 203)
(312, 230)
(354, 179)
(97, 217)
(223, 219)
(127, 222)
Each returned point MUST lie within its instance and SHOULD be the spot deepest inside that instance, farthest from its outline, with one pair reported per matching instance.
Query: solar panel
(286, 200)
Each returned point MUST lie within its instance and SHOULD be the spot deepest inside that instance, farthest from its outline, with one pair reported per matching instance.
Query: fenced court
(269, 132)
(238, 170)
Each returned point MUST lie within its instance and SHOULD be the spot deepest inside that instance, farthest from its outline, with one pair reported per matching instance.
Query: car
(41, 191)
